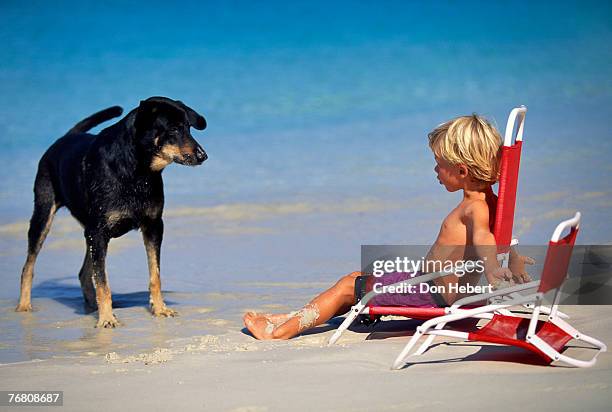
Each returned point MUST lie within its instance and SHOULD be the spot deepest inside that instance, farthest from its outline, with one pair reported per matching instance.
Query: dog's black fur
(112, 183)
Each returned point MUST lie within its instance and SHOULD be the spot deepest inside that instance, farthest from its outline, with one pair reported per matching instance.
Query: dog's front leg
(152, 234)
(97, 245)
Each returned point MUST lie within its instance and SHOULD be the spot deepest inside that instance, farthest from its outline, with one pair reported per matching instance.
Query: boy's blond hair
(472, 141)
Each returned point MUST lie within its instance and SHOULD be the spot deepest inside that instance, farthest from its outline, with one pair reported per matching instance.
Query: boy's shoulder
(476, 210)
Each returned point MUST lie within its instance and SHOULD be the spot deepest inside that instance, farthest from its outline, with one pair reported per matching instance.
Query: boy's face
(449, 175)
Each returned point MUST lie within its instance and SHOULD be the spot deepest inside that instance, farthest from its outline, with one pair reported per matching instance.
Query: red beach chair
(546, 338)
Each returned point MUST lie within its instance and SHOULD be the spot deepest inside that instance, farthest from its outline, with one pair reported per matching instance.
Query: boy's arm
(477, 224)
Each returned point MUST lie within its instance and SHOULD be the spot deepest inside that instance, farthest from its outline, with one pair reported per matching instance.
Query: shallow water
(318, 117)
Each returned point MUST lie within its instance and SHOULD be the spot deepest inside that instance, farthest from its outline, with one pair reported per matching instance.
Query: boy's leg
(334, 301)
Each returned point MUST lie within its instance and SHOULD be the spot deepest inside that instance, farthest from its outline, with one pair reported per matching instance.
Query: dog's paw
(24, 307)
(163, 311)
(108, 322)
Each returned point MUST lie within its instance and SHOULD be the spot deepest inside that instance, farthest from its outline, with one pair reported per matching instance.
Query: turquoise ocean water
(318, 115)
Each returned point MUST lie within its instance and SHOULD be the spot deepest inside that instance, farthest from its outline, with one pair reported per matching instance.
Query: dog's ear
(145, 114)
(149, 106)
(196, 120)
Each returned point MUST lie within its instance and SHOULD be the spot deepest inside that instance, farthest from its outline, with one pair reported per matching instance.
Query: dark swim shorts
(365, 284)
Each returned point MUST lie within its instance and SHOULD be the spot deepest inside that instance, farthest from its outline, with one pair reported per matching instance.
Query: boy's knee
(346, 285)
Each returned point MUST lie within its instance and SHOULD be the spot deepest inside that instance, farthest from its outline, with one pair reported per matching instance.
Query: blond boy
(467, 153)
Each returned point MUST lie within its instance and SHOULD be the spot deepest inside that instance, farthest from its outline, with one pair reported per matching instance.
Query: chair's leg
(355, 311)
(601, 347)
(401, 358)
(576, 362)
(428, 341)
(593, 341)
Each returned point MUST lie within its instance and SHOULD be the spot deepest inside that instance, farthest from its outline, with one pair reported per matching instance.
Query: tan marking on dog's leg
(158, 307)
(106, 318)
(27, 273)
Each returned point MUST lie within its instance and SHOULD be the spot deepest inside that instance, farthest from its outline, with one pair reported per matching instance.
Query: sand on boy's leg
(334, 301)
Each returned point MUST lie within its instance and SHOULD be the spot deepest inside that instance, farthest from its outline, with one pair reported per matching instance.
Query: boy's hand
(501, 278)
(517, 266)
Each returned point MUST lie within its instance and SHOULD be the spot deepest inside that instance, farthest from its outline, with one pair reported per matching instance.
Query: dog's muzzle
(192, 159)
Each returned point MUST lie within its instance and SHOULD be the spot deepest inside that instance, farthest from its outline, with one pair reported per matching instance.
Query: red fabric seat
(510, 330)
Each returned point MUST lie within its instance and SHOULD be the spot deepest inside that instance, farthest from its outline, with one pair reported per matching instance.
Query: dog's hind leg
(152, 234)
(86, 279)
(45, 206)
(97, 246)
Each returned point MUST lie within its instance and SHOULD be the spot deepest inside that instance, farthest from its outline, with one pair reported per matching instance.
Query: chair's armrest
(499, 292)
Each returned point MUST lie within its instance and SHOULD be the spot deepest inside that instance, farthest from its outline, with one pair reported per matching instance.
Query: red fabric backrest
(506, 197)
(557, 262)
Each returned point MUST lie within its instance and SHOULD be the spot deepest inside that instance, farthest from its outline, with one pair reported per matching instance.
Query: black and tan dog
(112, 183)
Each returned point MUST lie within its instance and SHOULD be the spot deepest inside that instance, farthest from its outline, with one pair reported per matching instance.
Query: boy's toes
(259, 327)
(248, 317)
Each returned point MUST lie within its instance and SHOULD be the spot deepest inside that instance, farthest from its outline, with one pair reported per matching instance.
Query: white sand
(235, 372)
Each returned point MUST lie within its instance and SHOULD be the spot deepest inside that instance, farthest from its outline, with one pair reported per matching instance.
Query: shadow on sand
(70, 295)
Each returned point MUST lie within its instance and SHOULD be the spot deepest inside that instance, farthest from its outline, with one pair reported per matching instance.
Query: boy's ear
(463, 171)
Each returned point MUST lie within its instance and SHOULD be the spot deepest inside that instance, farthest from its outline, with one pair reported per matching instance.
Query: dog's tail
(95, 119)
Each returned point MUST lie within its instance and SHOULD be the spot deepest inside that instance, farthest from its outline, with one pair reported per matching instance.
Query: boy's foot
(276, 318)
(259, 326)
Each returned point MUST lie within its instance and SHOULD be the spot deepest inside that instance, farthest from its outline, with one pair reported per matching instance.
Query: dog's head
(162, 130)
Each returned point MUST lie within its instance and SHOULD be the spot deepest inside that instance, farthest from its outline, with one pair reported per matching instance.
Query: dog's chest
(120, 221)
(136, 205)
